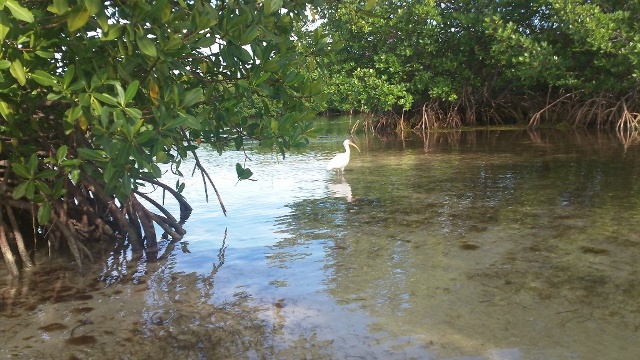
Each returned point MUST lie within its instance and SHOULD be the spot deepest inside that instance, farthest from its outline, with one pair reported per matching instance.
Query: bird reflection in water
(340, 188)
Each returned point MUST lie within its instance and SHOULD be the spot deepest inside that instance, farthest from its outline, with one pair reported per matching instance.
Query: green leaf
(106, 98)
(17, 70)
(121, 95)
(370, 4)
(77, 18)
(146, 45)
(252, 32)
(5, 26)
(132, 89)
(192, 97)
(44, 213)
(271, 6)
(45, 54)
(91, 154)
(162, 157)
(133, 112)
(262, 78)
(58, 189)
(189, 121)
(47, 174)
(103, 21)
(113, 33)
(155, 171)
(6, 111)
(30, 190)
(21, 170)
(93, 6)
(4, 64)
(77, 85)
(74, 113)
(43, 78)
(204, 42)
(243, 173)
(20, 190)
(71, 163)
(68, 76)
(75, 176)
(53, 96)
(126, 184)
(42, 187)
(84, 99)
(18, 11)
(61, 6)
(33, 164)
(109, 173)
(271, 65)
(243, 54)
(61, 153)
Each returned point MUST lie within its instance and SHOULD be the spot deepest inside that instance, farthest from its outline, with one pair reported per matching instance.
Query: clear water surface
(484, 244)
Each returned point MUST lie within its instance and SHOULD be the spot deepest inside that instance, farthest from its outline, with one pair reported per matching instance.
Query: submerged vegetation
(448, 64)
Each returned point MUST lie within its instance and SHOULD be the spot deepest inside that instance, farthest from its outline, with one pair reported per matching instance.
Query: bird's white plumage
(341, 160)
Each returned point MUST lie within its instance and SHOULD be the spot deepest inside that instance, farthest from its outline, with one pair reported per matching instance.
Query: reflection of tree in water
(183, 321)
(150, 311)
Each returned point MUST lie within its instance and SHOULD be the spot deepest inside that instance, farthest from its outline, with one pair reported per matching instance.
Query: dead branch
(204, 173)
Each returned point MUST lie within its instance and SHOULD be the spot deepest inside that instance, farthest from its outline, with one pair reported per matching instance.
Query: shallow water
(464, 245)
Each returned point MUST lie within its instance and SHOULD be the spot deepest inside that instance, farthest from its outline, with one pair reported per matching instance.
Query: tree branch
(204, 173)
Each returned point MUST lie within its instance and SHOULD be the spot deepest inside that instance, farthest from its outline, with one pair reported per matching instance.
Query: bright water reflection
(466, 245)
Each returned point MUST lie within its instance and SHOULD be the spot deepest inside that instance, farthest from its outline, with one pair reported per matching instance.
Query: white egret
(342, 159)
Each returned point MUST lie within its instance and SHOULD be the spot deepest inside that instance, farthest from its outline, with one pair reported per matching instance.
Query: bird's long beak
(356, 146)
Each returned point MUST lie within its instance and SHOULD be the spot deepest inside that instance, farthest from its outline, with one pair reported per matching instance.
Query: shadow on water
(459, 245)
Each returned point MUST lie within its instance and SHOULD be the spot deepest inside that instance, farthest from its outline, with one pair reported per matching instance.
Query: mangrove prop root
(122, 221)
(162, 209)
(6, 252)
(185, 208)
(478, 106)
(135, 225)
(4, 244)
(17, 235)
(83, 215)
(146, 223)
(88, 209)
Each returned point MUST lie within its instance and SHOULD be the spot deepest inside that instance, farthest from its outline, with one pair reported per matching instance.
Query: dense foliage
(468, 62)
(94, 95)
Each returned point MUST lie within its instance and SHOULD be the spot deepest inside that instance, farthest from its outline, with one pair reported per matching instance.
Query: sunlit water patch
(466, 245)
